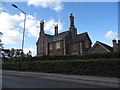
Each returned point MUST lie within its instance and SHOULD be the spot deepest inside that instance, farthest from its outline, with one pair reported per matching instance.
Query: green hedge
(67, 57)
(79, 67)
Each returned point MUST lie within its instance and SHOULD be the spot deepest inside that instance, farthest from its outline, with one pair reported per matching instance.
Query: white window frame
(57, 45)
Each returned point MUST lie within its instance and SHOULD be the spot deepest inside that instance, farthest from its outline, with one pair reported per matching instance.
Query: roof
(105, 46)
(48, 37)
(60, 36)
(80, 37)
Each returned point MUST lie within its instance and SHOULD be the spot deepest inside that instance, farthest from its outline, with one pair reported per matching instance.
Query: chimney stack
(56, 29)
(114, 45)
(71, 20)
(42, 27)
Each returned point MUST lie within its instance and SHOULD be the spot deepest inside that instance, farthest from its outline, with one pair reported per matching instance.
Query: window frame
(57, 45)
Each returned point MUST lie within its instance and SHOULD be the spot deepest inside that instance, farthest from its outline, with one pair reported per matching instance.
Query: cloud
(111, 35)
(33, 50)
(1, 8)
(11, 37)
(50, 24)
(12, 27)
(8, 23)
(52, 4)
(32, 26)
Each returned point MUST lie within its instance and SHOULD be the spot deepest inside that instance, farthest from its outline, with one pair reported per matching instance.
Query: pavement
(104, 82)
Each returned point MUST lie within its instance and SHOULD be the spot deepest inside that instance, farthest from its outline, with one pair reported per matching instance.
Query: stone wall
(55, 50)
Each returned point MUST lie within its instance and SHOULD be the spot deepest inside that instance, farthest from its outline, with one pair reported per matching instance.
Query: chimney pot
(71, 14)
(114, 41)
(119, 41)
(71, 20)
(41, 27)
(56, 29)
(114, 45)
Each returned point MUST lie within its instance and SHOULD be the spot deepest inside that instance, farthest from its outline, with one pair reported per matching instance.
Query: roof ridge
(104, 44)
(49, 35)
(82, 33)
(61, 33)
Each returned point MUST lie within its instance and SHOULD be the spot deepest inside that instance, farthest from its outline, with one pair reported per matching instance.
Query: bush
(66, 57)
(79, 67)
(73, 57)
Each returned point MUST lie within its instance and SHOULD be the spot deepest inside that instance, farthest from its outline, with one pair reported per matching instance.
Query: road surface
(13, 79)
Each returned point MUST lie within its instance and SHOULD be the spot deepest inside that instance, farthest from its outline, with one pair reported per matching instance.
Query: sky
(99, 19)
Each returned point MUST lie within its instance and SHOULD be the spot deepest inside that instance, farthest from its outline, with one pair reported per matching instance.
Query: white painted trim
(64, 48)
(95, 46)
(46, 48)
(80, 48)
(103, 47)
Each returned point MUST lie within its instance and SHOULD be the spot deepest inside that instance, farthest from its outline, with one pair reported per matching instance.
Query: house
(101, 48)
(68, 42)
(116, 46)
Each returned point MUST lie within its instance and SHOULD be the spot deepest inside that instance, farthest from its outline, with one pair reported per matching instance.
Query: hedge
(104, 67)
(67, 57)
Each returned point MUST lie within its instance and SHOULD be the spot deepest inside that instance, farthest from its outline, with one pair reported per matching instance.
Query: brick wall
(56, 51)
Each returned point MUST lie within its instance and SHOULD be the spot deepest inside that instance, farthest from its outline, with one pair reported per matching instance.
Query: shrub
(79, 67)
(67, 57)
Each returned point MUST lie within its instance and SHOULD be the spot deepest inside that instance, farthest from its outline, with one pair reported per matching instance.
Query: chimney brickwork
(56, 29)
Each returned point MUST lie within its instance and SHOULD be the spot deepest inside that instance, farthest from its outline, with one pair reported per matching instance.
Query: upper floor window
(87, 44)
(57, 45)
(50, 46)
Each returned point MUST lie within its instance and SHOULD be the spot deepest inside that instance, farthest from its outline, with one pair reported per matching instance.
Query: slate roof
(48, 37)
(106, 46)
(60, 36)
(80, 37)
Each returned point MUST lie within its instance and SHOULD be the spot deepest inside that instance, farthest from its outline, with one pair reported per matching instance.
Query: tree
(1, 45)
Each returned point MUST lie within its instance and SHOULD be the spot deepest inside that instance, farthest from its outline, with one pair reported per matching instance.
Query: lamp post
(23, 32)
(24, 24)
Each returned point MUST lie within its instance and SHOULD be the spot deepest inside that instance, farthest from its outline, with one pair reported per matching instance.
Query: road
(13, 79)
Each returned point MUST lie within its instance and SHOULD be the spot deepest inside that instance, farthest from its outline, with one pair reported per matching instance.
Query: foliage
(1, 45)
(94, 67)
(73, 57)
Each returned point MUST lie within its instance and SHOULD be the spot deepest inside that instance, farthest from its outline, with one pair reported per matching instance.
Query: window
(50, 46)
(57, 45)
(87, 44)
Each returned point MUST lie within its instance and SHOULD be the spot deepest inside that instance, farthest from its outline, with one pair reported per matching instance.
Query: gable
(81, 37)
(99, 47)
(47, 38)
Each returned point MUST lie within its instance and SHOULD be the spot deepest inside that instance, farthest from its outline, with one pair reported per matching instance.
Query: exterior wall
(98, 49)
(74, 48)
(73, 31)
(68, 39)
(57, 51)
(86, 45)
(42, 46)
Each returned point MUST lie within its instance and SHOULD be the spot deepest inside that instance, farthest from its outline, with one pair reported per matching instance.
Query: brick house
(101, 48)
(68, 42)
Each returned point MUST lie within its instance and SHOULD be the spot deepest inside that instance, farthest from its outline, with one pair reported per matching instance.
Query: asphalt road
(27, 80)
